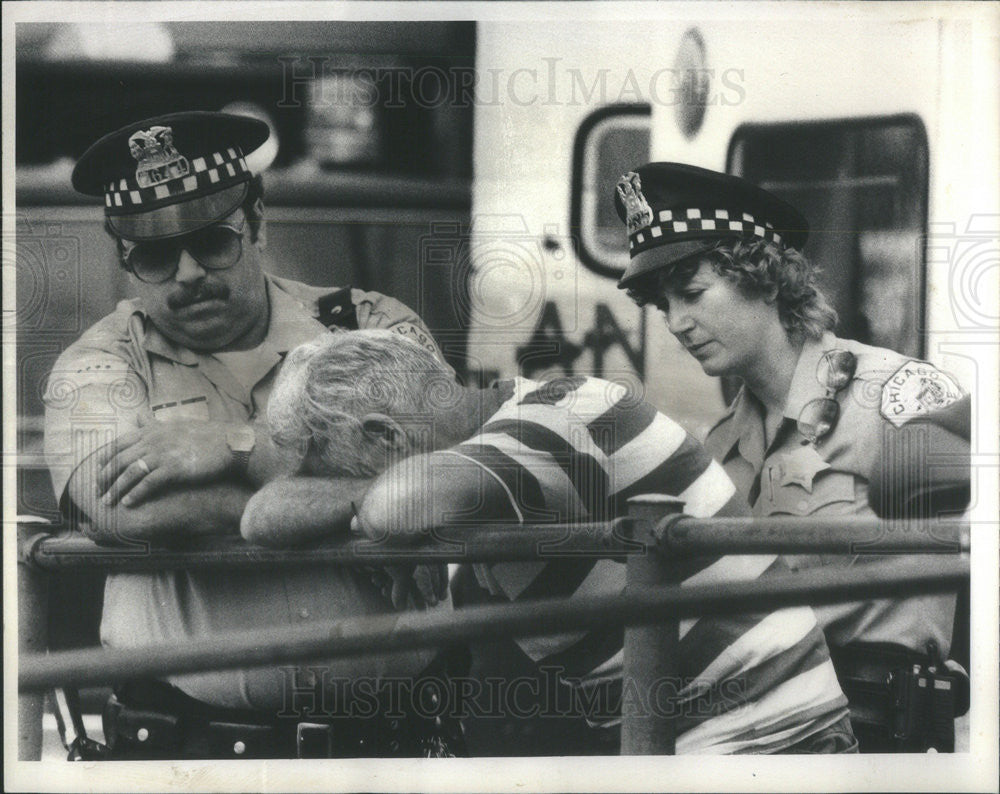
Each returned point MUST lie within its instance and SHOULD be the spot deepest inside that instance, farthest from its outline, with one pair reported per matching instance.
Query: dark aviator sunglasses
(217, 247)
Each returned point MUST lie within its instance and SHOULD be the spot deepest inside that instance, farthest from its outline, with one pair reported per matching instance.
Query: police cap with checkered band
(171, 175)
(675, 211)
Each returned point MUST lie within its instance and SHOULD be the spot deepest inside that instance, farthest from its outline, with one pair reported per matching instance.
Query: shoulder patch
(917, 388)
(418, 335)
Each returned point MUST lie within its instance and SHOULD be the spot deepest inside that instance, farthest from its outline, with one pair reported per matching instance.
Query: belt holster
(903, 700)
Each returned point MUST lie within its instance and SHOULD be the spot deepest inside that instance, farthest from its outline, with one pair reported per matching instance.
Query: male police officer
(151, 431)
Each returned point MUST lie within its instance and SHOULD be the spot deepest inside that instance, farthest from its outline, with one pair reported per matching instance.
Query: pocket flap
(828, 487)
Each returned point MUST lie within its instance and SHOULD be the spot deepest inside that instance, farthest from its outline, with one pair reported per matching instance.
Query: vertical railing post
(650, 678)
(33, 637)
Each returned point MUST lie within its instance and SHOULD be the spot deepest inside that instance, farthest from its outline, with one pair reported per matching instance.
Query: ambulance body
(879, 123)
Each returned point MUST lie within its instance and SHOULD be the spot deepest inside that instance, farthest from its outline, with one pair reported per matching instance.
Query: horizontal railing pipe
(504, 543)
(473, 544)
(304, 643)
(812, 535)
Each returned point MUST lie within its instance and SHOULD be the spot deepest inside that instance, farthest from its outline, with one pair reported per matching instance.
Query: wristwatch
(241, 441)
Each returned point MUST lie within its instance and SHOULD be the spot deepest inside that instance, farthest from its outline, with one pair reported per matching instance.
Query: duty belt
(153, 720)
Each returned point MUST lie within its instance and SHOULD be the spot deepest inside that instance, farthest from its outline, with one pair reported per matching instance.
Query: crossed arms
(192, 488)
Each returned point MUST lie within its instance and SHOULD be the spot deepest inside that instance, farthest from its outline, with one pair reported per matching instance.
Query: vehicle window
(862, 184)
(608, 143)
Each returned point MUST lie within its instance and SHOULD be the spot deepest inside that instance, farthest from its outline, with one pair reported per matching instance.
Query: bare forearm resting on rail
(427, 492)
(294, 510)
(212, 509)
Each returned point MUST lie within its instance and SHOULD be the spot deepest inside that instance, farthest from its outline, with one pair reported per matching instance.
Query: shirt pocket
(832, 492)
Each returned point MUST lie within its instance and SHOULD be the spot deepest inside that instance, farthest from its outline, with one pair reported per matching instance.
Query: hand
(156, 455)
(431, 584)
(428, 584)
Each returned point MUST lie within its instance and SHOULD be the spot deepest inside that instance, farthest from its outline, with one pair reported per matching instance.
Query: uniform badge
(638, 213)
(801, 467)
(917, 388)
(158, 159)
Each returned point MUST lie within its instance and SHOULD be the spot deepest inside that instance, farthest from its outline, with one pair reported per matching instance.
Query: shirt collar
(291, 323)
(804, 386)
(155, 342)
(743, 424)
(748, 423)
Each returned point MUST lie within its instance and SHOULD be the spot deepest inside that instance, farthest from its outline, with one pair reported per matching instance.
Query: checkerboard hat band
(204, 175)
(696, 223)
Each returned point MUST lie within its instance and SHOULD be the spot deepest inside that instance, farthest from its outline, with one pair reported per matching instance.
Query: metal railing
(650, 540)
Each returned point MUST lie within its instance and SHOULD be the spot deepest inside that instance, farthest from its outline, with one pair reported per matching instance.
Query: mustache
(200, 292)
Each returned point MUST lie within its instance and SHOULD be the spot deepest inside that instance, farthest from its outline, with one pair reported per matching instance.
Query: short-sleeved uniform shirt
(789, 478)
(123, 367)
(581, 447)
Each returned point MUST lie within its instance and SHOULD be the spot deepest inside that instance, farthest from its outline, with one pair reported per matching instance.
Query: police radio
(924, 701)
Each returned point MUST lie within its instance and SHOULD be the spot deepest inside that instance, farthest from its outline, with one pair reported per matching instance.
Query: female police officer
(721, 259)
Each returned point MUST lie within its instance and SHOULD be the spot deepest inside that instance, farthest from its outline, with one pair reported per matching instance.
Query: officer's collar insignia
(158, 159)
(638, 213)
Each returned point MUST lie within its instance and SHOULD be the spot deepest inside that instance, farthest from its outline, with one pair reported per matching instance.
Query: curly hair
(327, 386)
(760, 269)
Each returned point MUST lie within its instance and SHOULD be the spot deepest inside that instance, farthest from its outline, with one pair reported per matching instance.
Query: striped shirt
(580, 447)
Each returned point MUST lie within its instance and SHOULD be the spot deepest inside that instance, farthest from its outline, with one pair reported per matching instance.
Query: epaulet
(337, 310)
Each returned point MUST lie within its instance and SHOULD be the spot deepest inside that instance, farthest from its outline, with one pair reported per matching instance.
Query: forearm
(427, 493)
(213, 509)
(294, 510)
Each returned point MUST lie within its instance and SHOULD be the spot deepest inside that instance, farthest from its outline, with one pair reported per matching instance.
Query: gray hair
(327, 386)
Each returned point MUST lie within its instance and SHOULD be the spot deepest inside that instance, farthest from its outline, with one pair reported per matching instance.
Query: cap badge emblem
(159, 161)
(638, 213)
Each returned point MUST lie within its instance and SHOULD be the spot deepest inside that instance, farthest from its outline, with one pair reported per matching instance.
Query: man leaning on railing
(455, 458)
